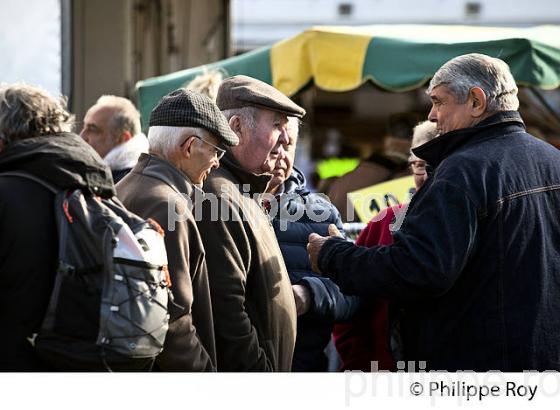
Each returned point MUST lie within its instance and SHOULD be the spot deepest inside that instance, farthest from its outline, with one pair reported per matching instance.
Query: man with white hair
(319, 302)
(421, 134)
(187, 134)
(476, 261)
(112, 128)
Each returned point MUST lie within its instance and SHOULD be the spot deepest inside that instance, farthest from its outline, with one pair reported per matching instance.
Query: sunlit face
(284, 164)
(203, 157)
(448, 113)
(266, 142)
(97, 132)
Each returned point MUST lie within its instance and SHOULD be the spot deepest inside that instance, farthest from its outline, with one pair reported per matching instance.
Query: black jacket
(301, 213)
(477, 260)
(28, 244)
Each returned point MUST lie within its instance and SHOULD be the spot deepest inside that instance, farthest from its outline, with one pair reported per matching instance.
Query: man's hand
(302, 297)
(316, 243)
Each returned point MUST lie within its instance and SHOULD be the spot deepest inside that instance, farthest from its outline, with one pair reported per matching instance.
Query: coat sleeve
(363, 340)
(428, 254)
(228, 245)
(183, 348)
(329, 304)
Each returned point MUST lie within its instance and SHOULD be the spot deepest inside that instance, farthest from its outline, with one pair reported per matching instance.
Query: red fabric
(366, 338)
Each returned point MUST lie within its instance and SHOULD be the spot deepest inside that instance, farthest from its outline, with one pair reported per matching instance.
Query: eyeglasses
(417, 167)
(219, 152)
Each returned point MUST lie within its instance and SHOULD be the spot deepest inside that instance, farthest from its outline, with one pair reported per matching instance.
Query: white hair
(492, 75)
(293, 127)
(248, 114)
(165, 140)
(423, 132)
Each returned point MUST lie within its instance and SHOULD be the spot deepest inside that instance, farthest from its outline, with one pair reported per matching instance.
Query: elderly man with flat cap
(252, 299)
(186, 135)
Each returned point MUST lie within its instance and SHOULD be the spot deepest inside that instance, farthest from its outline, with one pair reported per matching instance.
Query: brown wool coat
(152, 186)
(252, 299)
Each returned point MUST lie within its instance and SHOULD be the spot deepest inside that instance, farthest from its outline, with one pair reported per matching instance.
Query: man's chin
(267, 169)
(202, 178)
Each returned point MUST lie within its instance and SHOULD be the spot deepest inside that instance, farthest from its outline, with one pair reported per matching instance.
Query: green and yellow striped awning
(394, 57)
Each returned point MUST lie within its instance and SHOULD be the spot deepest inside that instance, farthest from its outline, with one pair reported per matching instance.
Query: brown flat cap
(240, 91)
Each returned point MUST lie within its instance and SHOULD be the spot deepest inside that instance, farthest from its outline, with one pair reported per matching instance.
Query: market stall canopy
(394, 57)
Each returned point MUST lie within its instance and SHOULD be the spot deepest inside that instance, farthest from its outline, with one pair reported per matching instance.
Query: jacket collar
(294, 183)
(436, 150)
(166, 172)
(257, 183)
(125, 156)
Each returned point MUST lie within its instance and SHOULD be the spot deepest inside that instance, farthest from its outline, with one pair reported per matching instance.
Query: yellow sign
(367, 202)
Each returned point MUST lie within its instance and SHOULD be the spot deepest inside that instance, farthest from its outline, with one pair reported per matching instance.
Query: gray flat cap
(240, 91)
(184, 108)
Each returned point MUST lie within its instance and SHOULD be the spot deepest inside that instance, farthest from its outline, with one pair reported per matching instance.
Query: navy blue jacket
(477, 259)
(328, 303)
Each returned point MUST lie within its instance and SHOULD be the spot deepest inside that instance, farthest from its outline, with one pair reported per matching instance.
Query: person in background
(388, 164)
(373, 335)
(112, 128)
(206, 83)
(298, 212)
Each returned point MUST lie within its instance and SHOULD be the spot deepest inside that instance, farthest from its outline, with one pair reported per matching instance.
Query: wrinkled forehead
(440, 92)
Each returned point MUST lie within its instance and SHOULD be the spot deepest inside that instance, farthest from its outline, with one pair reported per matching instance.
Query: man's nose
(281, 151)
(432, 116)
(283, 139)
(215, 163)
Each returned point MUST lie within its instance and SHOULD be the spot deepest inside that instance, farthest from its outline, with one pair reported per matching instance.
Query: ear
(126, 136)
(187, 148)
(477, 100)
(235, 125)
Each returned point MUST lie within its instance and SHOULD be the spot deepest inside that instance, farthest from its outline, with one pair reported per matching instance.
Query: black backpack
(108, 307)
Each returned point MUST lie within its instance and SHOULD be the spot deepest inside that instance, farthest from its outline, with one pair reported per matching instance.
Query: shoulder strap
(25, 175)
